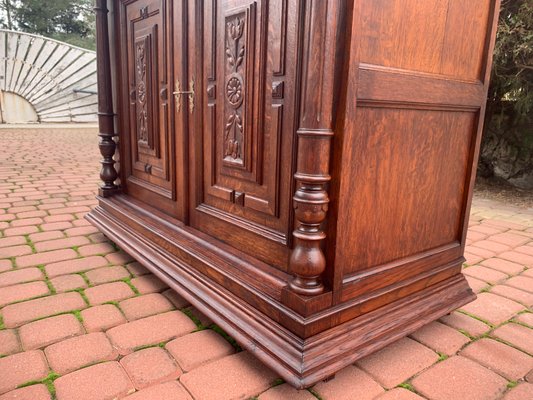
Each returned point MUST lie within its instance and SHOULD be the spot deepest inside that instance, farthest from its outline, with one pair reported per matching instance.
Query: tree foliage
(71, 21)
(507, 149)
(512, 77)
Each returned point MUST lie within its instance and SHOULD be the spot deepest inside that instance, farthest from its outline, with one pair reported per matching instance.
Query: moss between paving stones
(223, 333)
(48, 382)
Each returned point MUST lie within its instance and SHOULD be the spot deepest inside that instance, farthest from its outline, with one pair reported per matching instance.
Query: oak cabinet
(300, 171)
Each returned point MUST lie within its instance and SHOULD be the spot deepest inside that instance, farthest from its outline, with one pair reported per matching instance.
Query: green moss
(221, 332)
(475, 317)
(128, 282)
(407, 385)
(77, 314)
(442, 356)
(511, 384)
(30, 243)
(48, 382)
(194, 318)
(2, 326)
(83, 296)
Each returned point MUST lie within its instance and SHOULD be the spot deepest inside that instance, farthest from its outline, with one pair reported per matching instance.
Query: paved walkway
(81, 320)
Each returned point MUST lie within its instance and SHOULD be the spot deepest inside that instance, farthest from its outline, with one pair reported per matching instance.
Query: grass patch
(222, 333)
(194, 318)
(82, 274)
(468, 335)
(511, 384)
(310, 390)
(83, 296)
(2, 326)
(48, 382)
(408, 386)
(30, 243)
(127, 281)
(278, 382)
(442, 356)
(149, 346)
(475, 317)
(77, 314)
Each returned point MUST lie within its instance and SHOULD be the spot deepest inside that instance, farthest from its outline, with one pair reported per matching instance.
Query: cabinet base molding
(300, 362)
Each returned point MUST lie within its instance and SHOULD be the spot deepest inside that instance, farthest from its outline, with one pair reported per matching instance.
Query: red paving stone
(517, 335)
(441, 338)
(285, 391)
(74, 266)
(492, 308)
(178, 301)
(46, 195)
(65, 283)
(137, 269)
(466, 324)
(150, 366)
(500, 358)
(112, 382)
(399, 394)
(107, 274)
(239, 376)
(348, 381)
(144, 306)
(102, 318)
(521, 282)
(523, 391)
(61, 243)
(19, 313)
(459, 378)
(150, 330)
(33, 392)
(164, 391)
(485, 274)
(515, 294)
(198, 348)
(45, 258)
(9, 342)
(149, 284)
(72, 354)
(49, 330)
(5, 265)
(107, 292)
(397, 362)
(21, 368)
(19, 276)
(22, 291)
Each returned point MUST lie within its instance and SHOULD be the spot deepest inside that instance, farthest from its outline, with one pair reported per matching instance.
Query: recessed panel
(444, 37)
(407, 184)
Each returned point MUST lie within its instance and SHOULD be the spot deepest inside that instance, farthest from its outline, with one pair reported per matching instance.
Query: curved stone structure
(57, 79)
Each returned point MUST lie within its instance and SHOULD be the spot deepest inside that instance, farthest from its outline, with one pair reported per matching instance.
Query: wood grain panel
(445, 37)
(408, 184)
(244, 149)
(386, 85)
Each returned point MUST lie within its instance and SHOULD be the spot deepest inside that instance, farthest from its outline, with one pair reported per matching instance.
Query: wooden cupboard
(300, 170)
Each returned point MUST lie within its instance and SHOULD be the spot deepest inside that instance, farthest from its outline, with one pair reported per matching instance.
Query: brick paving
(80, 319)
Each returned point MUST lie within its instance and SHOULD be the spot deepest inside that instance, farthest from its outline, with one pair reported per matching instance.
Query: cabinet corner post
(319, 69)
(106, 116)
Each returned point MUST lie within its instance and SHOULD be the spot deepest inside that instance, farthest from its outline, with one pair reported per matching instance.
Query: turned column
(106, 124)
(321, 36)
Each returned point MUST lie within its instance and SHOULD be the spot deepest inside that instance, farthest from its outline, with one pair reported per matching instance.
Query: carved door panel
(242, 135)
(151, 172)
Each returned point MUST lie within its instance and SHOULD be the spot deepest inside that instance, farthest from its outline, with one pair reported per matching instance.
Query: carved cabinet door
(243, 61)
(151, 172)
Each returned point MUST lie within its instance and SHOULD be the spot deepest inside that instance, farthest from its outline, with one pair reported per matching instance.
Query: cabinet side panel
(408, 183)
(435, 36)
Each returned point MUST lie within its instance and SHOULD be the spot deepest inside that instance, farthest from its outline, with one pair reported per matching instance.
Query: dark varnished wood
(106, 121)
(308, 185)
